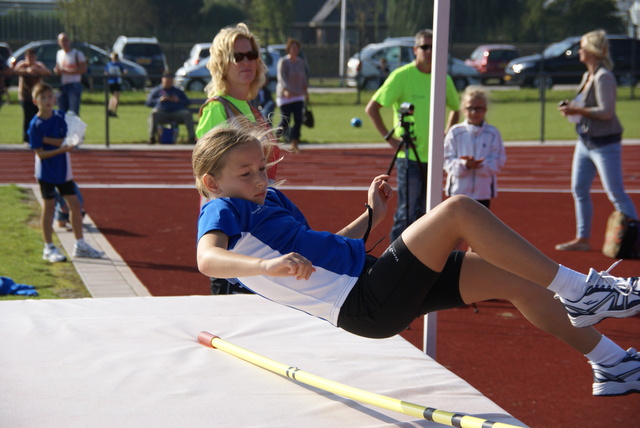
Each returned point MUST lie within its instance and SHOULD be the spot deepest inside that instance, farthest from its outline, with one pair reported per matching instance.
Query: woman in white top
(291, 91)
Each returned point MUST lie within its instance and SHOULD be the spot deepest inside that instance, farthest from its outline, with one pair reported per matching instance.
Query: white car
(199, 52)
(195, 77)
(362, 68)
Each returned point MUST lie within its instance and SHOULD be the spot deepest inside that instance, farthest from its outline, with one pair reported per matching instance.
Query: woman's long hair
(221, 55)
(597, 44)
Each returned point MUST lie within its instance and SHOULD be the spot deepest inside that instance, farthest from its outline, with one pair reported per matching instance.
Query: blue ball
(356, 122)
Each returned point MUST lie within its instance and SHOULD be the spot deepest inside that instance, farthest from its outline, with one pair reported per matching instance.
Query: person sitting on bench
(170, 105)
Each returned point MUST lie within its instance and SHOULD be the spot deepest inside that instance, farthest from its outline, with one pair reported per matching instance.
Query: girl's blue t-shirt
(278, 228)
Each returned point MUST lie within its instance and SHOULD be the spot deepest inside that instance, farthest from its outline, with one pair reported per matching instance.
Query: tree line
(471, 20)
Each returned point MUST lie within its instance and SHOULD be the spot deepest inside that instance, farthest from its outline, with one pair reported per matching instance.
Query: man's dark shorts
(395, 289)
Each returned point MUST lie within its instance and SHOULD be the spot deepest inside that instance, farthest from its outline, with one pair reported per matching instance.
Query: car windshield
(499, 54)
(477, 54)
(557, 49)
(142, 49)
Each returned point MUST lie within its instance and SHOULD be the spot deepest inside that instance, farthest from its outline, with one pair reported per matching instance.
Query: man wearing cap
(170, 105)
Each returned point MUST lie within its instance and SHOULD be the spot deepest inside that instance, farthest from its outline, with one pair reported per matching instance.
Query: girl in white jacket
(473, 151)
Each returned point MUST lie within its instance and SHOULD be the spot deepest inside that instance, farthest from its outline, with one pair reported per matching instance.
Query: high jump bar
(429, 413)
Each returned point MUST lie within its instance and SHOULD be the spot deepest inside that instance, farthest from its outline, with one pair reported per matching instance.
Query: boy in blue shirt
(47, 132)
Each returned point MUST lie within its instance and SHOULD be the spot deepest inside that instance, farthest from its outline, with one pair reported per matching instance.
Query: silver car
(195, 77)
(363, 68)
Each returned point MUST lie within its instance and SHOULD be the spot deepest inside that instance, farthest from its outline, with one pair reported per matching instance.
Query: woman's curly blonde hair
(221, 55)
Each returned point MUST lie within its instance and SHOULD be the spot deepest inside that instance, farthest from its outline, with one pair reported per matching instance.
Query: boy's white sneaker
(87, 251)
(53, 255)
(618, 379)
(605, 296)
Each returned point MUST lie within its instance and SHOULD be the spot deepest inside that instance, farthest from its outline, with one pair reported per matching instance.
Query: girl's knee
(461, 203)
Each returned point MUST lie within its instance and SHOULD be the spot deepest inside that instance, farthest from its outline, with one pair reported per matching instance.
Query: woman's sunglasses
(240, 56)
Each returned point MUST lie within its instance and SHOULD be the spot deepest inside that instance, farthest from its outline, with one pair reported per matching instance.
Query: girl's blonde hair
(596, 43)
(210, 152)
(474, 91)
(221, 55)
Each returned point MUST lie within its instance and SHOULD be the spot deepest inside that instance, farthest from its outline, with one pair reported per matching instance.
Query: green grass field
(21, 250)
(516, 113)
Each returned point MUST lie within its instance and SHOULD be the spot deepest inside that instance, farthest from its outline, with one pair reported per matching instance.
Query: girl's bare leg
(434, 235)
(481, 281)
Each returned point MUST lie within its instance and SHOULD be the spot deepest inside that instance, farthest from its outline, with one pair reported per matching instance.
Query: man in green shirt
(411, 84)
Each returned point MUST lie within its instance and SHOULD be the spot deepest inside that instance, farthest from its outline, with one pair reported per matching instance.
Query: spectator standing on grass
(70, 66)
(114, 70)
(170, 105)
(291, 92)
(411, 84)
(237, 76)
(30, 72)
(47, 133)
(599, 146)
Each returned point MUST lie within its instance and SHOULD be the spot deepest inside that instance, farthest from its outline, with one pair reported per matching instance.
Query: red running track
(144, 203)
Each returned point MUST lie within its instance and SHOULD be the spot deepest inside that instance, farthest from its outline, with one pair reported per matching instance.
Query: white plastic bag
(76, 129)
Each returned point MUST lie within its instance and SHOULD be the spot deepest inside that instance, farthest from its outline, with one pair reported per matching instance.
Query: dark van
(561, 64)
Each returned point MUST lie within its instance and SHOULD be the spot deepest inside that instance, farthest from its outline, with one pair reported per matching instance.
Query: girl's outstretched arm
(215, 260)
(379, 194)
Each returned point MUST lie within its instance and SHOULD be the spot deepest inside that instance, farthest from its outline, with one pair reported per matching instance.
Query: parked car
(362, 68)
(97, 58)
(196, 77)
(5, 54)
(145, 51)
(199, 52)
(561, 64)
(492, 60)
(5, 51)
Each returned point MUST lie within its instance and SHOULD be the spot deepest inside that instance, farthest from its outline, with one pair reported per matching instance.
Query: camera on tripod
(406, 109)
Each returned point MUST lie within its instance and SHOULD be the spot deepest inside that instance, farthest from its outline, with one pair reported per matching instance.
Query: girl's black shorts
(395, 289)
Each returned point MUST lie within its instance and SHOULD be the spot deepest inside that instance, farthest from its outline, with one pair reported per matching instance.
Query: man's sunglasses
(240, 56)
(425, 47)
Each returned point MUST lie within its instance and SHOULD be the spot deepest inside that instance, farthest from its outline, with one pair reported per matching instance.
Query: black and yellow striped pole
(422, 412)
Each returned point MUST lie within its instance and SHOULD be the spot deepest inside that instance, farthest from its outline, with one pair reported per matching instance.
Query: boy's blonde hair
(473, 91)
(221, 55)
(210, 152)
(40, 88)
(597, 44)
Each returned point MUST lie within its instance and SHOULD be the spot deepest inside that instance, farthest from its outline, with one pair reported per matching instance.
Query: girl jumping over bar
(254, 233)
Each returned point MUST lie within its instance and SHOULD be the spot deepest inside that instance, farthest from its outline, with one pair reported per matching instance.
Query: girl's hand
(380, 192)
(292, 264)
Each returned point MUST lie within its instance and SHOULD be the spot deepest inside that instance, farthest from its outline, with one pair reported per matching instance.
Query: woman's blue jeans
(607, 162)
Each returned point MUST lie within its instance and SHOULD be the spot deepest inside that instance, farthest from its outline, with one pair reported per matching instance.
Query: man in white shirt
(70, 66)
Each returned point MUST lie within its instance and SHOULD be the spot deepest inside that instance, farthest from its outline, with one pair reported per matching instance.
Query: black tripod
(406, 144)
